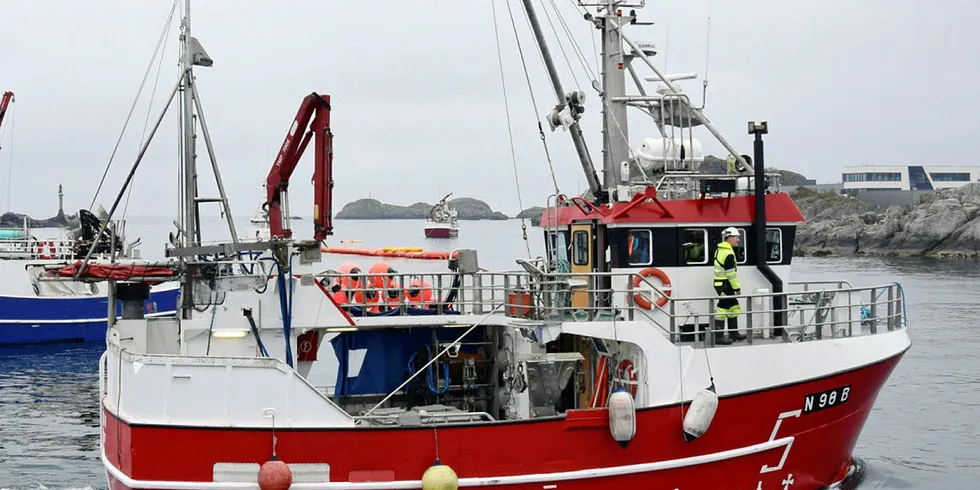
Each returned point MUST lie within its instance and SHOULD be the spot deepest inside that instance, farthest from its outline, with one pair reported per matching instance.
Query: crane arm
(5, 101)
(317, 108)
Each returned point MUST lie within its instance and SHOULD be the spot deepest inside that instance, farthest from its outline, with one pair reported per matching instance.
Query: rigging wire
(10, 164)
(595, 50)
(579, 54)
(510, 134)
(561, 45)
(534, 103)
(153, 92)
(146, 75)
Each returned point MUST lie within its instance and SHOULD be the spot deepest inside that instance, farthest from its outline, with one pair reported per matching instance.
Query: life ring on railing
(626, 375)
(51, 249)
(638, 298)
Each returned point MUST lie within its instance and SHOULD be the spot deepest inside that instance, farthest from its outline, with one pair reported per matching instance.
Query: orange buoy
(275, 475)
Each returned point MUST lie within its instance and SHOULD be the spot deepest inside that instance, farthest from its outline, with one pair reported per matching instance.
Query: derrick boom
(317, 108)
(4, 103)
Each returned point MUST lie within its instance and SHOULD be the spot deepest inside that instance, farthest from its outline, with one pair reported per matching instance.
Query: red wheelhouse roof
(645, 208)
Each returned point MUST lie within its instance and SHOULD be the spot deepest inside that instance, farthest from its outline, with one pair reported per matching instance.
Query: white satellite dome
(655, 153)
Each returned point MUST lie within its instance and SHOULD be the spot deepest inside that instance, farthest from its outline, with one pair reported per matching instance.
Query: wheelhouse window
(580, 246)
(774, 245)
(558, 248)
(740, 249)
(640, 247)
(695, 245)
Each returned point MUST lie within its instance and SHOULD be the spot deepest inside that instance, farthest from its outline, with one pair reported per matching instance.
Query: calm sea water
(923, 433)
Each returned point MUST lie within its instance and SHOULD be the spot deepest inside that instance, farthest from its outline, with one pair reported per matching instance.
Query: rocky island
(16, 220)
(468, 209)
(943, 224)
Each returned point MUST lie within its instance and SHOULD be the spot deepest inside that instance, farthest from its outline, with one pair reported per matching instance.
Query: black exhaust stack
(778, 300)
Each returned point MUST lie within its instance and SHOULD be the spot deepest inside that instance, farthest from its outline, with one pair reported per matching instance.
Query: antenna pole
(707, 53)
(615, 129)
(696, 113)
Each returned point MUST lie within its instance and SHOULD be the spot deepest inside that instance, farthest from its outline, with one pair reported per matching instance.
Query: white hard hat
(727, 232)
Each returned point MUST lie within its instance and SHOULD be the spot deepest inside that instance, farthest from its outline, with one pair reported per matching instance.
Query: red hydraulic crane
(317, 107)
(8, 97)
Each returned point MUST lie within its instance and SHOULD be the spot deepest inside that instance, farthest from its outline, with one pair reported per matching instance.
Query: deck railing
(813, 310)
(27, 248)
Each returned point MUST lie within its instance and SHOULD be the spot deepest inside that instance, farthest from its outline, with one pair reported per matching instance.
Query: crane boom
(317, 108)
(8, 97)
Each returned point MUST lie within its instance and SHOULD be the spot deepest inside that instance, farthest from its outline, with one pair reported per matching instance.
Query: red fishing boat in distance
(442, 221)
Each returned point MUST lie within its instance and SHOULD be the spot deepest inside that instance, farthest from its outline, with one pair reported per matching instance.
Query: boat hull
(441, 232)
(776, 438)
(35, 320)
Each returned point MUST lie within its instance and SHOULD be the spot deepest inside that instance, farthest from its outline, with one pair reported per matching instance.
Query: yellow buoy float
(439, 477)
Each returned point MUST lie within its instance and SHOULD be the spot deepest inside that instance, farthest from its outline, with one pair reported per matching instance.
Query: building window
(640, 247)
(872, 177)
(580, 245)
(695, 243)
(774, 245)
(950, 176)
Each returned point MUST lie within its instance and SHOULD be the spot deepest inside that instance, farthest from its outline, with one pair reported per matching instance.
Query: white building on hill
(861, 178)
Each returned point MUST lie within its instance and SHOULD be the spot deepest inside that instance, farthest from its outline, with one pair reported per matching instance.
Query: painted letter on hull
(763, 438)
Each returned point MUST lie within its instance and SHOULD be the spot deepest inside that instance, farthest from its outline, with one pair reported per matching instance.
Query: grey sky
(417, 99)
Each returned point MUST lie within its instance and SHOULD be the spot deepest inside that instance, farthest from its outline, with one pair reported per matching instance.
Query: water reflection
(49, 410)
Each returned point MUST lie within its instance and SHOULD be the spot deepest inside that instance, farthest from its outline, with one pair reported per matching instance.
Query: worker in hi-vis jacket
(727, 287)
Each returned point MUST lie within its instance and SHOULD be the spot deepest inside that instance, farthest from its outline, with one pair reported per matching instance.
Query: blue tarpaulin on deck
(385, 357)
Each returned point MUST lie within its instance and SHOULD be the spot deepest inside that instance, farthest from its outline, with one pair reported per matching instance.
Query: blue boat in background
(34, 312)
(34, 320)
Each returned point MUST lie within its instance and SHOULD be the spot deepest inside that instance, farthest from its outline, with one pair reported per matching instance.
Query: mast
(615, 131)
(188, 167)
(567, 103)
(193, 54)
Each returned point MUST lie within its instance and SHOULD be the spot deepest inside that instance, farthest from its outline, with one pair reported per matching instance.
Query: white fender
(700, 413)
(622, 416)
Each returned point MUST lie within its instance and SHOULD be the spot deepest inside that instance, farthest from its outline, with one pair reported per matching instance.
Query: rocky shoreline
(945, 224)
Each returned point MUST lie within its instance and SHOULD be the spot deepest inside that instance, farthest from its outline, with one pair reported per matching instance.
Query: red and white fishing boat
(442, 221)
(594, 367)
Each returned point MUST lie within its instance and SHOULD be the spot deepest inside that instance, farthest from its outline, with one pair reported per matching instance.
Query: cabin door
(583, 255)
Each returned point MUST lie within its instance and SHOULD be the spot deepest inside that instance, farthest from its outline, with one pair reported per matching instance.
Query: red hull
(539, 454)
(440, 232)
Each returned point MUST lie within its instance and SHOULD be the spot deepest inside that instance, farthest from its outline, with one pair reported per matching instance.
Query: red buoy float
(275, 475)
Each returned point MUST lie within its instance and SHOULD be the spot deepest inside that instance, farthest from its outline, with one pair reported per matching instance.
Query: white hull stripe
(118, 475)
(80, 320)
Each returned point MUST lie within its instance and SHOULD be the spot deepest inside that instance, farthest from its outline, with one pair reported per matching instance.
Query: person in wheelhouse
(727, 287)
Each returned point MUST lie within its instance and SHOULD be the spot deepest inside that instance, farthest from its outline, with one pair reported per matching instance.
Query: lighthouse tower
(61, 201)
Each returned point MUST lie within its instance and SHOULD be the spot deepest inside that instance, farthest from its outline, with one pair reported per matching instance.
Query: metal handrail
(547, 298)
